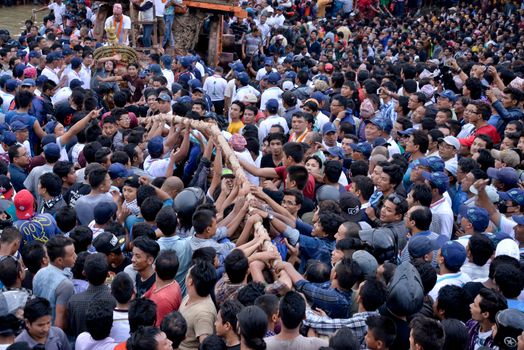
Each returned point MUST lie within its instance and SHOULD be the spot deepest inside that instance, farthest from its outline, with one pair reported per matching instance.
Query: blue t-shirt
(40, 227)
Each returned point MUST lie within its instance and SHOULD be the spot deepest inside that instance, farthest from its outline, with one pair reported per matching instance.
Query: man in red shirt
(478, 114)
(293, 157)
(165, 292)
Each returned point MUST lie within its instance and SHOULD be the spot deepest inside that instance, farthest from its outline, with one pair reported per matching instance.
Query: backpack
(405, 292)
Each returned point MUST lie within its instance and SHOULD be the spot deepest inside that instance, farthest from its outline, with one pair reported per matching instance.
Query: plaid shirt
(334, 302)
(324, 325)
(225, 290)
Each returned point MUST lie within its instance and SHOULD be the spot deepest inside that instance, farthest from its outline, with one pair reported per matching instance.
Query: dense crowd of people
(378, 202)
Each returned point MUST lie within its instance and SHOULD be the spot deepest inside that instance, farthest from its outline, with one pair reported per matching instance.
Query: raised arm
(79, 126)
(260, 172)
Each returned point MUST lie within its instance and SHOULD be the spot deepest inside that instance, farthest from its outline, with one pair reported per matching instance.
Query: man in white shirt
(74, 72)
(58, 9)
(439, 183)
(264, 71)
(215, 87)
(273, 118)
(272, 92)
(447, 150)
(450, 259)
(52, 62)
(165, 65)
(121, 24)
(277, 20)
(85, 71)
(243, 87)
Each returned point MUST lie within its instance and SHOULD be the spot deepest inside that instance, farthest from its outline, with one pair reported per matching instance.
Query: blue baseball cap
(506, 175)
(479, 217)
(21, 53)
(117, 170)
(243, 78)
(439, 179)
(450, 95)
(35, 54)
(155, 69)
(420, 245)
(66, 51)
(380, 141)
(164, 96)
(76, 62)
(337, 152)
(41, 80)
(18, 126)
(8, 138)
(28, 82)
(433, 163)
(75, 83)
(166, 60)
(156, 145)
(194, 83)
(268, 61)
(328, 127)
(362, 147)
(4, 78)
(273, 78)
(407, 132)
(383, 124)
(454, 255)
(515, 194)
(237, 66)
(519, 219)
(290, 75)
(11, 84)
(319, 96)
(184, 61)
(52, 150)
(272, 105)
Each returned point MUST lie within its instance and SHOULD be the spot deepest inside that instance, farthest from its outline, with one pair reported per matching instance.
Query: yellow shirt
(234, 127)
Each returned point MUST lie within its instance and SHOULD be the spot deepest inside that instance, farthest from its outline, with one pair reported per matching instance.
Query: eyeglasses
(288, 202)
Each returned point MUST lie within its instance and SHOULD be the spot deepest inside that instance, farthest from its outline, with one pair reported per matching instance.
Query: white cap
(287, 85)
(508, 247)
(452, 141)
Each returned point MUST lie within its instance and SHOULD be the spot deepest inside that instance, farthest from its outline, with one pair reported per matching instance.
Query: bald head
(173, 185)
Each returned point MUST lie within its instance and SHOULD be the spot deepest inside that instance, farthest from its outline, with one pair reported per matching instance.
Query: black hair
(204, 254)
(427, 333)
(330, 223)
(32, 255)
(143, 229)
(174, 325)
(365, 185)
(292, 310)
(485, 160)
(453, 300)
(122, 288)
(150, 208)
(96, 268)
(359, 168)
(422, 194)
(120, 157)
(299, 174)
(144, 338)
(96, 177)
(203, 275)
(99, 318)
(269, 303)
(147, 245)
(90, 149)
(395, 174)
(213, 342)
(252, 322)
(66, 219)
(344, 339)
(299, 197)
(383, 329)
(509, 280)
(144, 192)
(102, 153)
(422, 217)
(420, 138)
(332, 170)
(456, 334)
(373, 294)
(52, 183)
(467, 164)
(166, 265)
(36, 308)
(428, 275)
(56, 247)
(294, 150)
(202, 219)
(236, 265)
(78, 269)
(250, 292)
(166, 221)
(12, 152)
(62, 168)
(481, 249)
(492, 302)
(142, 312)
(317, 271)
(229, 310)
(9, 270)
(348, 273)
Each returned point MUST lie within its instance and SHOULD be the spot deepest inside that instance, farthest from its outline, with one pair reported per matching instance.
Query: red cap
(328, 68)
(24, 204)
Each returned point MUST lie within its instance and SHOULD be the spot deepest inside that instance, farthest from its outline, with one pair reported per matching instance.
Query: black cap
(510, 324)
(106, 243)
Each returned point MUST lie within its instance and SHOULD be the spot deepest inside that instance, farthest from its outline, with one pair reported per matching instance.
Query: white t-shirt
(126, 24)
(215, 87)
(266, 124)
(262, 72)
(273, 92)
(58, 11)
(442, 209)
(159, 8)
(170, 77)
(156, 167)
(246, 156)
(51, 75)
(455, 279)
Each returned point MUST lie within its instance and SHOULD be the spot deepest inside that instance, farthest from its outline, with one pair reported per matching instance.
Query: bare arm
(260, 172)
(38, 130)
(61, 317)
(485, 202)
(217, 169)
(257, 191)
(78, 127)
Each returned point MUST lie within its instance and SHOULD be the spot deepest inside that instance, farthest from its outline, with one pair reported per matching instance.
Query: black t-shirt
(234, 347)
(76, 191)
(122, 266)
(267, 162)
(144, 286)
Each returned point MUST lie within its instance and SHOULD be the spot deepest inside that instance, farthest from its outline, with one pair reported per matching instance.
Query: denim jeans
(148, 31)
(168, 37)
